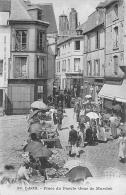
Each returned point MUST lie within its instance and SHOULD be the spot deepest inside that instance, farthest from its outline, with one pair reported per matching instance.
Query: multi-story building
(4, 52)
(114, 89)
(69, 63)
(49, 16)
(28, 70)
(94, 52)
(69, 60)
(27, 53)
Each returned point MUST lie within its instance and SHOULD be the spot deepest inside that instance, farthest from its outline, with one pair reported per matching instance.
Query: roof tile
(5, 5)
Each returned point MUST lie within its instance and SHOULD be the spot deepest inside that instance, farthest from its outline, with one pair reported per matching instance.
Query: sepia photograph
(62, 97)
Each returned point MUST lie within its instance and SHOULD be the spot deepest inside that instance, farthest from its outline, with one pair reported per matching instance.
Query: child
(122, 146)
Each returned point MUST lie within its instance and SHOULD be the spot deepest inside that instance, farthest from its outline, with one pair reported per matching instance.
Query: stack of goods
(57, 158)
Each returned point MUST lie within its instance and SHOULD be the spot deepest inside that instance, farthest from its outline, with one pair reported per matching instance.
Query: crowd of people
(93, 130)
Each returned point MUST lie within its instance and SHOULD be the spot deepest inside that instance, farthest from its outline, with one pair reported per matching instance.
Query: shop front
(75, 83)
(21, 93)
(92, 86)
(114, 94)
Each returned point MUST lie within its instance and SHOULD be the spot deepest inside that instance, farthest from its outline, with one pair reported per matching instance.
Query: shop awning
(117, 92)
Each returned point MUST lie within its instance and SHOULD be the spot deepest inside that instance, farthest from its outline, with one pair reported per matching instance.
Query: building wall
(68, 52)
(94, 52)
(92, 56)
(31, 52)
(51, 63)
(4, 56)
(91, 53)
(114, 21)
(3, 18)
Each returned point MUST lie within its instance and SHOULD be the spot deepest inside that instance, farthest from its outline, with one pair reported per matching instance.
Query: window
(63, 83)
(97, 67)
(39, 17)
(97, 43)
(41, 67)
(115, 43)
(1, 67)
(76, 64)
(41, 44)
(79, 32)
(116, 65)
(21, 40)
(116, 11)
(58, 66)
(89, 68)
(68, 65)
(64, 66)
(77, 45)
(20, 67)
(89, 43)
(58, 51)
(40, 92)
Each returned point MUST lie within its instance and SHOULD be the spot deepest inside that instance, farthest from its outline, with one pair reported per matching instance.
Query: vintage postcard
(63, 97)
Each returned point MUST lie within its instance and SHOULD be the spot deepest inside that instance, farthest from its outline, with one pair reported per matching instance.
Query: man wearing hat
(73, 138)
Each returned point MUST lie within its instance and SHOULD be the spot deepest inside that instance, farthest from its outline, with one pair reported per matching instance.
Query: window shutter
(1, 67)
(98, 67)
(37, 39)
(90, 68)
(87, 68)
(116, 64)
(98, 40)
(94, 67)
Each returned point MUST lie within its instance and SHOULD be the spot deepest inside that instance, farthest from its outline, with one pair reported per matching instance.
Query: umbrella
(92, 115)
(33, 113)
(36, 149)
(88, 96)
(39, 105)
(72, 163)
(78, 173)
(113, 119)
(117, 107)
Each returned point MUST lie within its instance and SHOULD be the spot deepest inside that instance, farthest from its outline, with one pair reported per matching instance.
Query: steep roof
(5, 5)
(61, 41)
(18, 11)
(94, 20)
(106, 3)
(49, 16)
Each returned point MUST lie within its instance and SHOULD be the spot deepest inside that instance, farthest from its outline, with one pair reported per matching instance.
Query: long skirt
(114, 131)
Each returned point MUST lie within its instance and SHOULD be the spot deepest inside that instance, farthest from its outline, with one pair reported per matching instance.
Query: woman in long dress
(122, 147)
(101, 133)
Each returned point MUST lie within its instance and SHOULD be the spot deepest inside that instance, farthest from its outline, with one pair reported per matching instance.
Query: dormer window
(39, 14)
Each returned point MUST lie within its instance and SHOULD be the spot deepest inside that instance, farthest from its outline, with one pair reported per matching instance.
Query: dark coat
(73, 137)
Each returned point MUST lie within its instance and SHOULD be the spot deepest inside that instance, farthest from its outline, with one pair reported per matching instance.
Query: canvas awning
(117, 92)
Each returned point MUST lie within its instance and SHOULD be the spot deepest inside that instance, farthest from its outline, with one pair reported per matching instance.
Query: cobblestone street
(13, 131)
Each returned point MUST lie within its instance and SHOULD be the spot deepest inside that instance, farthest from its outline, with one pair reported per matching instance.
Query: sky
(83, 7)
